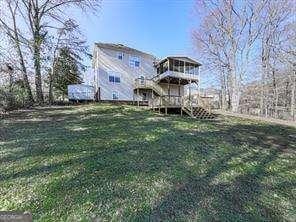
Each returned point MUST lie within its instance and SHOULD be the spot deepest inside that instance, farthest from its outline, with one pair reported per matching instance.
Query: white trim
(133, 63)
(115, 75)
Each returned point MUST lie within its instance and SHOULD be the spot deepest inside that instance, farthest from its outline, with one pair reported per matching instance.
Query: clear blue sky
(160, 27)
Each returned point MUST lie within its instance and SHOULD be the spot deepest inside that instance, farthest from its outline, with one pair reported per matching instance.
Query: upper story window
(134, 61)
(120, 55)
(114, 78)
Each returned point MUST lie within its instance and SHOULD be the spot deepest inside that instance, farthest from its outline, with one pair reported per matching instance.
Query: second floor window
(134, 61)
(120, 55)
(114, 79)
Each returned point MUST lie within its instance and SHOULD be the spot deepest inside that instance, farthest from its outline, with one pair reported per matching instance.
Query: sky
(159, 27)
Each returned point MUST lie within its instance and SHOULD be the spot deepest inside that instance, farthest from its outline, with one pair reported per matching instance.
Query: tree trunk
(275, 94)
(37, 66)
(223, 98)
(235, 92)
(223, 92)
(235, 97)
(50, 90)
(37, 38)
(25, 76)
(293, 95)
(264, 77)
(22, 63)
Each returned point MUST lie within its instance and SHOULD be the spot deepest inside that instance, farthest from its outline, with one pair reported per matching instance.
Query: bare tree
(227, 35)
(39, 13)
(10, 28)
(274, 18)
(39, 18)
(236, 38)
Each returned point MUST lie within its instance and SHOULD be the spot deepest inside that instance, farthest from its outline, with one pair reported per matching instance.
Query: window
(115, 95)
(175, 65)
(163, 67)
(120, 55)
(134, 61)
(142, 80)
(178, 66)
(114, 78)
(181, 66)
(117, 79)
(111, 79)
(196, 70)
(189, 68)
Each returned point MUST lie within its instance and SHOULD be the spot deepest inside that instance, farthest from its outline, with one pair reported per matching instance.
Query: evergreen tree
(67, 70)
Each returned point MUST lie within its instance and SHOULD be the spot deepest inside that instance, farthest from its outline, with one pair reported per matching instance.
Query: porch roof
(181, 58)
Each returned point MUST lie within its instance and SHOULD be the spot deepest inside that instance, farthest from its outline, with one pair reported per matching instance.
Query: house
(122, 73)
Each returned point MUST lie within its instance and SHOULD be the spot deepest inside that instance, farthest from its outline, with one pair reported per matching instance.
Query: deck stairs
(198, 112)
(195, 106)
(149, 84)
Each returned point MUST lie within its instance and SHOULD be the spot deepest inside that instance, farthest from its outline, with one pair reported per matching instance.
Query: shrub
(14, 98)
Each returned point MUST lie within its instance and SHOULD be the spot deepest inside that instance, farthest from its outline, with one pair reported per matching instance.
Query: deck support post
(180, 99)
(190, 100)
(169, 88)
(138, 95)
(152, 96)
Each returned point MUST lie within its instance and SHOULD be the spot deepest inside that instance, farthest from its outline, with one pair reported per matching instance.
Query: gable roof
(121, 47)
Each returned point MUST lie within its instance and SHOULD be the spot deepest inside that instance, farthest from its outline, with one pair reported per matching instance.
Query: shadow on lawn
(201, 197)
(192, 196)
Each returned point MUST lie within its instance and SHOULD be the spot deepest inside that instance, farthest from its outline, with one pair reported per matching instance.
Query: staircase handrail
(149, 83)
(196, 99)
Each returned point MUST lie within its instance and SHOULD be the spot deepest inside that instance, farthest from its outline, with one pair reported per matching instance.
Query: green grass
(120, 163)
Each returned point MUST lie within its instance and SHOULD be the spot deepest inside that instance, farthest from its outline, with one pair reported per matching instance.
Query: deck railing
(141, 83)
(164, 101)
(175, 74)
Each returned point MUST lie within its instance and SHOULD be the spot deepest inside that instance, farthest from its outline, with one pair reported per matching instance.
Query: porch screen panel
(189, 69)
(181, 66)
(165, 66)
(175, 65)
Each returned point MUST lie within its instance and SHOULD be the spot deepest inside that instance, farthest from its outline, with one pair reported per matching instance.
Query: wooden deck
(193, 105)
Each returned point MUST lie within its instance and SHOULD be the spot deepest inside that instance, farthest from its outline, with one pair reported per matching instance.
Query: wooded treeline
(249, 47)
(34, 34)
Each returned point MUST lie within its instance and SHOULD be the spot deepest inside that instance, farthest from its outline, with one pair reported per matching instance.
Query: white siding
(106, 61)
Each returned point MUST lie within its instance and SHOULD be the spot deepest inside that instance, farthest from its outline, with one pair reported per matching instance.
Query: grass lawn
(120, 163)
